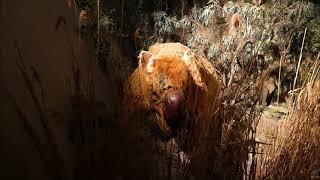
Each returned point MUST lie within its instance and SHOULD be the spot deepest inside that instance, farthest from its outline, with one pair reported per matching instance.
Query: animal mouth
(175, 110)
(175, 116)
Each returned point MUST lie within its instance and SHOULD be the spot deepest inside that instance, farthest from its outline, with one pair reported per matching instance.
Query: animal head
(174, 84)
(163, 82)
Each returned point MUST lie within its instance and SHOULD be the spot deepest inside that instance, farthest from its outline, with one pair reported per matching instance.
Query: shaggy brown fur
(173, 67)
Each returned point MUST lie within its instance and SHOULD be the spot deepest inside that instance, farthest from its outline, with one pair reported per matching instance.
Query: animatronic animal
(269, 82)
(177, 88)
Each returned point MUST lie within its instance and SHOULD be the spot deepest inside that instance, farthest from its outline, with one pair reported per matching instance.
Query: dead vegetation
(295, 153)
(248, 51)
(243, 49)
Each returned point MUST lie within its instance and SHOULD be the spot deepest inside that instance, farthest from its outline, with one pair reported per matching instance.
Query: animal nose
(173, 107)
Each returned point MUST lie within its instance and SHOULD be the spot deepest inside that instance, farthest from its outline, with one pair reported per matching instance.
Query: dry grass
(227, 148)
(296, 150)
(43, 140)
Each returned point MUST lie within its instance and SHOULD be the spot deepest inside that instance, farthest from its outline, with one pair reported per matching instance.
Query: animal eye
(154, 94)
(155, 97)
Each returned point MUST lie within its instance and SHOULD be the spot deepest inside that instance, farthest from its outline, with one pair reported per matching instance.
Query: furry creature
(174, 92)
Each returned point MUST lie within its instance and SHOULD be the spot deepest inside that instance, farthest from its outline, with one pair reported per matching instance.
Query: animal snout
(174, 108)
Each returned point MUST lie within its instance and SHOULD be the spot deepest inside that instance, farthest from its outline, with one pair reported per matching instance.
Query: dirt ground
(272, 125)
(268, 127)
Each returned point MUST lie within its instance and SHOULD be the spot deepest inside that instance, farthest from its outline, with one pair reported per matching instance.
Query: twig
(121, 25)
(98, 28)
(279, 81)
(300, 57)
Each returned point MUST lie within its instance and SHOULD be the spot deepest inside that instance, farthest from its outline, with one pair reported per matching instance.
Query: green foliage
(261, 25)
(312, 43)
(248, 1)
(86, 4)
(106, 23)
(164, 23)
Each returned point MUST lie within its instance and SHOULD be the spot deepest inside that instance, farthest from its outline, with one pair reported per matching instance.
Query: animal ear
(146, 61)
